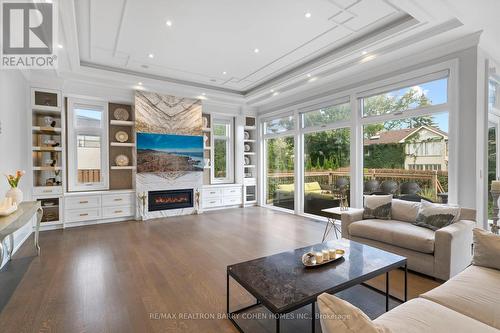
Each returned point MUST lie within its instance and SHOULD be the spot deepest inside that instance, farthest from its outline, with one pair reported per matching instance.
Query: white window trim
(228, 121)
(73, 133)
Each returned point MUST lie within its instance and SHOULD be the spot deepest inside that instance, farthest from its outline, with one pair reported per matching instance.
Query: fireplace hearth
(171, 199)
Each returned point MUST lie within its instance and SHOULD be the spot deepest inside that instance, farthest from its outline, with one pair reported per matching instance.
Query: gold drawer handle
(118, 211)
(84, 214)
(118, 199)
(84, 202)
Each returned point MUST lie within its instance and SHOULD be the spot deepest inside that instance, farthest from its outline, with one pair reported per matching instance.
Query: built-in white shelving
(250, 161)
(122, 144)
(122, 122)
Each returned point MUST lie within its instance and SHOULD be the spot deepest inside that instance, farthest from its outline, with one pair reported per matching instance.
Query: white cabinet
(221, 196)
(99, 206)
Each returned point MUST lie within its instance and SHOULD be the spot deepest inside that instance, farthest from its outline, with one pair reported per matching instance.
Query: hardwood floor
(135, 276)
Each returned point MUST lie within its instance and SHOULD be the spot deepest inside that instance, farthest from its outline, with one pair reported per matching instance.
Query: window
(223, 150)
(87, 145)
(280, 178)
(326, 115)
(279, 125)
(407, 150)
(407, 98)
(326, 169)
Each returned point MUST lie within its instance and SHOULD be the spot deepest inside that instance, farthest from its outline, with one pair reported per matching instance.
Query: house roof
(398, 136)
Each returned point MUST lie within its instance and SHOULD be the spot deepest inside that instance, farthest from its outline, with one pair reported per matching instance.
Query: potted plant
(15, 193)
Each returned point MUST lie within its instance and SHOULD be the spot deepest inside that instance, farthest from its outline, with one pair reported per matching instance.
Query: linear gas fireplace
(172, 199)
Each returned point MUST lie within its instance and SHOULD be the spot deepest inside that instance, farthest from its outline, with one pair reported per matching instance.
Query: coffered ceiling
(235, 45)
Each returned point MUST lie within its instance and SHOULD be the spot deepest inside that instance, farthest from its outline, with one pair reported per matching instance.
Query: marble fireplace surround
(165, 114)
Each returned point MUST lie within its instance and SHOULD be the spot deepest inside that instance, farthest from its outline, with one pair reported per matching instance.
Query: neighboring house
(424, 148)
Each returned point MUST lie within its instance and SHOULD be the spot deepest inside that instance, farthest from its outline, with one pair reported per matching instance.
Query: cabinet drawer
(47, 190)
(119, 211)
(229, 201)
(232, 191)
(76, 215)
(212, 202)
(83, 202)
(212, 192)
(122, 199)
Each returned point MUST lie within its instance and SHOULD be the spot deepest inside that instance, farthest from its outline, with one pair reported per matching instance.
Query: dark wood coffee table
(283, 284)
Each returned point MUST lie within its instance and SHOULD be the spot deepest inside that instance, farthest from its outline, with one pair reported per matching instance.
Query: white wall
(14, 137)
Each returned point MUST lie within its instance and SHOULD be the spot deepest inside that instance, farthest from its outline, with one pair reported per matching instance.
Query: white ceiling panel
(208, 38)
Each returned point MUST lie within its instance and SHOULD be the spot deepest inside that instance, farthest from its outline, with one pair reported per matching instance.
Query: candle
(319, 257)
(332, 253)
(326, 255)
(495, 186)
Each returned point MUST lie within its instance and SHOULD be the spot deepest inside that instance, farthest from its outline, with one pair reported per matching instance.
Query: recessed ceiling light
(60, 46)
(308, 15)
(364, 53)
(272, 90)
(151, 55)
(368, 58)
(313, 79)
(203, 94)
(275, 93)
(140, 83)
(224, 73)
(308, 75)
(256, 50)
(168, 23)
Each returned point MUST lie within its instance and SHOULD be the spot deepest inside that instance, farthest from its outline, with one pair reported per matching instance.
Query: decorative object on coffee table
(121, 114)
(121, 136)
(495, 193)
(121, 160)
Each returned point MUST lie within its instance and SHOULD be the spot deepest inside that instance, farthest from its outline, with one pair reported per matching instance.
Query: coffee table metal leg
(278, 324)
(386, 291)
(406, 282)
(313, 316)
(227, 293)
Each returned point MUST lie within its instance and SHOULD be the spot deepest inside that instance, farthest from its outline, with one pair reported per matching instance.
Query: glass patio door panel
(280, 168)
(326, 169)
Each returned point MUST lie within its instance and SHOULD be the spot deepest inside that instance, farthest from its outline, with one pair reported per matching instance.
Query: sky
(436, 92)
(170, 142)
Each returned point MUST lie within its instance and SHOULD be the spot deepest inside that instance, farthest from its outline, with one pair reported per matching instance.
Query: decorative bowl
(121, 136)
(121, 114)
(121, 160)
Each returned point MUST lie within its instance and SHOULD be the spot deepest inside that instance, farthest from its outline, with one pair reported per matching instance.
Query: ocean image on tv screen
(169, 153)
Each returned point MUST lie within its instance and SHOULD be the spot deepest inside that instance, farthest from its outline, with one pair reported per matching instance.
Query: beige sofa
(468, 302)
(441, 254)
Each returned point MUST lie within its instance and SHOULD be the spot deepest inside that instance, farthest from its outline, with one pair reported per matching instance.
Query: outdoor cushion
(486, 249)
(313, 186)
(436, 216)
(403, 210)
(475, 293)
(286, 187)
(420, 315)
(397, 233)
(377, 207)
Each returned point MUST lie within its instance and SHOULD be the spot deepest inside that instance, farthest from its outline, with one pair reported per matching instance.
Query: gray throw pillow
(486, 249)
(436, 216)
(377, 207)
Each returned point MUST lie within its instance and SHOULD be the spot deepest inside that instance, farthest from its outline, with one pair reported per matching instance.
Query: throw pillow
(436, 216)
(338, 315)
(486, 249)
(403, 210)
(377, 207)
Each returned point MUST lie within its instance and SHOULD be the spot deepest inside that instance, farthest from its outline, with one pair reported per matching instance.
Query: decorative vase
(15, 194)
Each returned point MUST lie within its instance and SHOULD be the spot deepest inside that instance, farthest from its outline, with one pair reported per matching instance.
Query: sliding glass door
(280, 177)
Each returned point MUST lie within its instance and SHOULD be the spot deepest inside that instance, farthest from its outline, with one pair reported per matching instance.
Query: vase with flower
(15, 193)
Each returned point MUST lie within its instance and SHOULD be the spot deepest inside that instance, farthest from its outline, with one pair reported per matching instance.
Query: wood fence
(426, 178)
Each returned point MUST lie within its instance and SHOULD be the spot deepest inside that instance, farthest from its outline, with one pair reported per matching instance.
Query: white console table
(17, 220)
